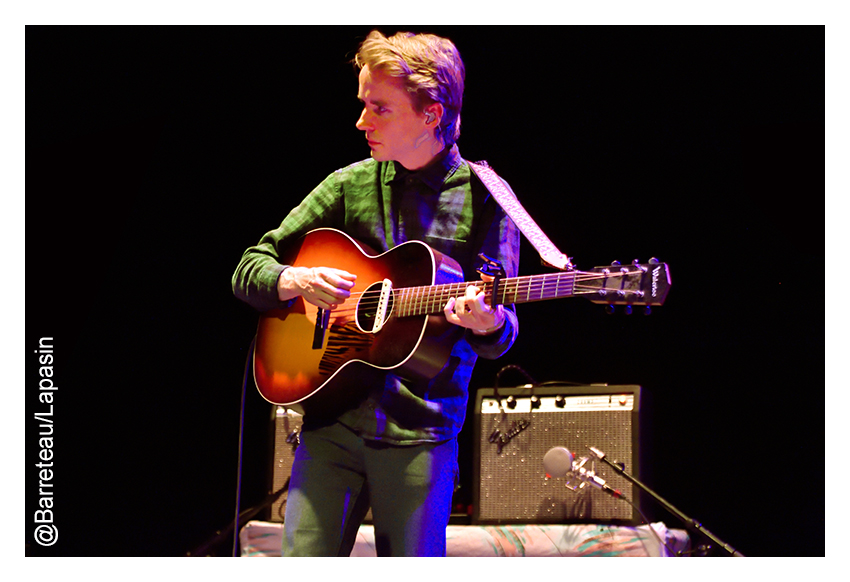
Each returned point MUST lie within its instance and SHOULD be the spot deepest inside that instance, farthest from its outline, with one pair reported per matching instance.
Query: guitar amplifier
(516, 427)
(286, 434)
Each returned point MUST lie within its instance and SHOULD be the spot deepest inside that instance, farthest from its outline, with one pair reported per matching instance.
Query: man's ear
(433, 114)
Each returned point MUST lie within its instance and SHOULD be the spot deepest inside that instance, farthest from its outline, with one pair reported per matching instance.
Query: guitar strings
(413, 300)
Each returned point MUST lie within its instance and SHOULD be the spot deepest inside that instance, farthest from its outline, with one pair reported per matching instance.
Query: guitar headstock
(634, 284)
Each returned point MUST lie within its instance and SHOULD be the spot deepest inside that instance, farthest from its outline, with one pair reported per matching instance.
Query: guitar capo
(492, 268)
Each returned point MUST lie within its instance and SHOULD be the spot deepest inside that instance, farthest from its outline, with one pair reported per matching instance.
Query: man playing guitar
(391, 443)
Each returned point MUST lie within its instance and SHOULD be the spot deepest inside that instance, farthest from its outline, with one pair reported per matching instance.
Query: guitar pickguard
(345, 343)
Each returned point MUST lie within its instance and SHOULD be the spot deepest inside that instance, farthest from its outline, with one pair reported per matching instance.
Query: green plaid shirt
(382, 205)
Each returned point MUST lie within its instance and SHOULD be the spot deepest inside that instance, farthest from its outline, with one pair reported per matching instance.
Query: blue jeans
(337, 475)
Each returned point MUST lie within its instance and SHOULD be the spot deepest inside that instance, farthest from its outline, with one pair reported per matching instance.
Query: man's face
(394, 130)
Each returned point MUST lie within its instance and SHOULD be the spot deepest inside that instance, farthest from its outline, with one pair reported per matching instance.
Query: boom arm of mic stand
(244, 515)
(690, 523)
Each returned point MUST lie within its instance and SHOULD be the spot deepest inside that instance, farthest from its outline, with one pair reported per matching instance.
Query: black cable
(239, 456)
(504, 369)
(513, 367)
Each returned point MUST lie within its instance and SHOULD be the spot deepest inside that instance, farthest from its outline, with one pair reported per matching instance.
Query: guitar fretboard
(432, 299)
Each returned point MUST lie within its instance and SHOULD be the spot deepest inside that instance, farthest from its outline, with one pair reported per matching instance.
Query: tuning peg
(628, 309)
(615, 263)
(609, 309)
(654, 261)
(647, 310)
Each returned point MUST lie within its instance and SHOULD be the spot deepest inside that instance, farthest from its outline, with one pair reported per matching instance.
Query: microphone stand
(691, 524)
(244, 516)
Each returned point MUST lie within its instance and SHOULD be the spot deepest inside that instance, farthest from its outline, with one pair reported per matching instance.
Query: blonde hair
(429, 66)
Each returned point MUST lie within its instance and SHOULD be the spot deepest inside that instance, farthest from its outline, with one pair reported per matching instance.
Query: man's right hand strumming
(324, 287)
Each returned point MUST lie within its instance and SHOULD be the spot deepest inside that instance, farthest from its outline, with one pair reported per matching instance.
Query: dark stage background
(156, 155)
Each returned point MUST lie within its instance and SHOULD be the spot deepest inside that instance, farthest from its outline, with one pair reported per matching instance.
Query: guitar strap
(512, 207)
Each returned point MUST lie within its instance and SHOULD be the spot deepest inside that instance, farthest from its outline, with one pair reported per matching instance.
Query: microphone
(560, 462)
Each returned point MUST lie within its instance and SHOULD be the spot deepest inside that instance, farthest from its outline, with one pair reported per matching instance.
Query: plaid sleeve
(255, 278)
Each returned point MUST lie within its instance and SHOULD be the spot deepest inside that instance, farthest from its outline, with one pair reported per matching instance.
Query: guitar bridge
(383, 301)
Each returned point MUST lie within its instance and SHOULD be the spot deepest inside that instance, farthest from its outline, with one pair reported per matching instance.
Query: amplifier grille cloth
(287, 428)
(513, 483)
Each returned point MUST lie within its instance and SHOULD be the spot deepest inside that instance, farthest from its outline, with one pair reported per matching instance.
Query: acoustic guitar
(307, 358)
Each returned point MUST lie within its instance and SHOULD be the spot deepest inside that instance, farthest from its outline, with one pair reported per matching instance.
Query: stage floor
(263, 539)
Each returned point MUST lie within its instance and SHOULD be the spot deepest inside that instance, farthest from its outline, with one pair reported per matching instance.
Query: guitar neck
(635, 284)
(432, 299)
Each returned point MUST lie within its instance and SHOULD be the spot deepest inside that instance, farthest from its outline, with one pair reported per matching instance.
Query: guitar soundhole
(367, 308)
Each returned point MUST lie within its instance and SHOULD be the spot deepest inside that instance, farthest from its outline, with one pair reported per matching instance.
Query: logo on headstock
(655, 274)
